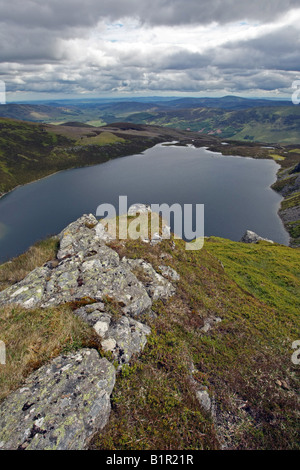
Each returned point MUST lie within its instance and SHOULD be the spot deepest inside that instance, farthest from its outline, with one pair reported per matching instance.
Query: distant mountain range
(231, 117)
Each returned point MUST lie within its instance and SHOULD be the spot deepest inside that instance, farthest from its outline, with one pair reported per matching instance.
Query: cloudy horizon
(111, 48)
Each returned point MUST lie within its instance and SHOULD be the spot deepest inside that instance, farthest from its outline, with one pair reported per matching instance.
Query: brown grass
(33, 337)
(15, 270)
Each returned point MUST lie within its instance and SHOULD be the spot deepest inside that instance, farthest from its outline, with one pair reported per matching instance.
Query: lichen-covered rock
(60, 406)
(86, 268)
(79, 236)
(252, 237)
(156, 285)
(28, 292)
(123, 337)
(63, 404)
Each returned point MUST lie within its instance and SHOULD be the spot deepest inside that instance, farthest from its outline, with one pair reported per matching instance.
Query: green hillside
(244, 359)
(252, 120)
(268, 124)
(29, 151)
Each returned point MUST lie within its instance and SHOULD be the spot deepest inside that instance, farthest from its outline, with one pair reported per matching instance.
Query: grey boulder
(60, 406)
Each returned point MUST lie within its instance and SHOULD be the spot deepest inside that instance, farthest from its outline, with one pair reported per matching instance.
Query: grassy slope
(244, 361)
(269, 124)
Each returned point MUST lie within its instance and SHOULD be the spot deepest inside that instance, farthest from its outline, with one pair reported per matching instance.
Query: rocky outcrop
(252, 237)
(87, 268)
(123, 337)
(60, 406)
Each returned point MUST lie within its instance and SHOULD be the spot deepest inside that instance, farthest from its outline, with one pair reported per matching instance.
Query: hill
(206, 364)
(263, 124)
(29, 151)
(257, 120)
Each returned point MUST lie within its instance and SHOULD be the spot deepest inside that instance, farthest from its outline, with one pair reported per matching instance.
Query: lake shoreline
(182, 177)
(179, 144)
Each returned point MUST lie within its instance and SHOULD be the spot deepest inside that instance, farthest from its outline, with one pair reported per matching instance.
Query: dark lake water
(235, 191)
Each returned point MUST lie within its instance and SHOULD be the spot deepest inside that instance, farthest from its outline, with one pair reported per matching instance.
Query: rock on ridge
(123, 337)
(86, 267)
(252, 237)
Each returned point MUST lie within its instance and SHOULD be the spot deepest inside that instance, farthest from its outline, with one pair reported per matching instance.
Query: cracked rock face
(60, 406)
(86, 267)
(123, 337)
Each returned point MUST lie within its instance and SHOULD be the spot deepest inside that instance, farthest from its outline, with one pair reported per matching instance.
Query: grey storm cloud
(54, 14)
(277, 50)
(38, 54)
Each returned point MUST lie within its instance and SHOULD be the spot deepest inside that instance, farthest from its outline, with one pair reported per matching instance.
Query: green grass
(277, 157)
(96, 122)
(291, 201)
(104, 138)
(255, 290)
(248, 264)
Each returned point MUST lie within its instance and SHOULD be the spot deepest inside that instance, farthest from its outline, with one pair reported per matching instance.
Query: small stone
(169, 273)
(204, 399)
(108, 344)
(101, 327)
(252, 237)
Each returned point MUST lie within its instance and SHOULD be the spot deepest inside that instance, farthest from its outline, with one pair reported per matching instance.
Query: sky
(54, 49)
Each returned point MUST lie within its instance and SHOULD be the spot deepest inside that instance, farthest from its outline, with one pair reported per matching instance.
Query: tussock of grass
(33, 337)
(15, 270)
